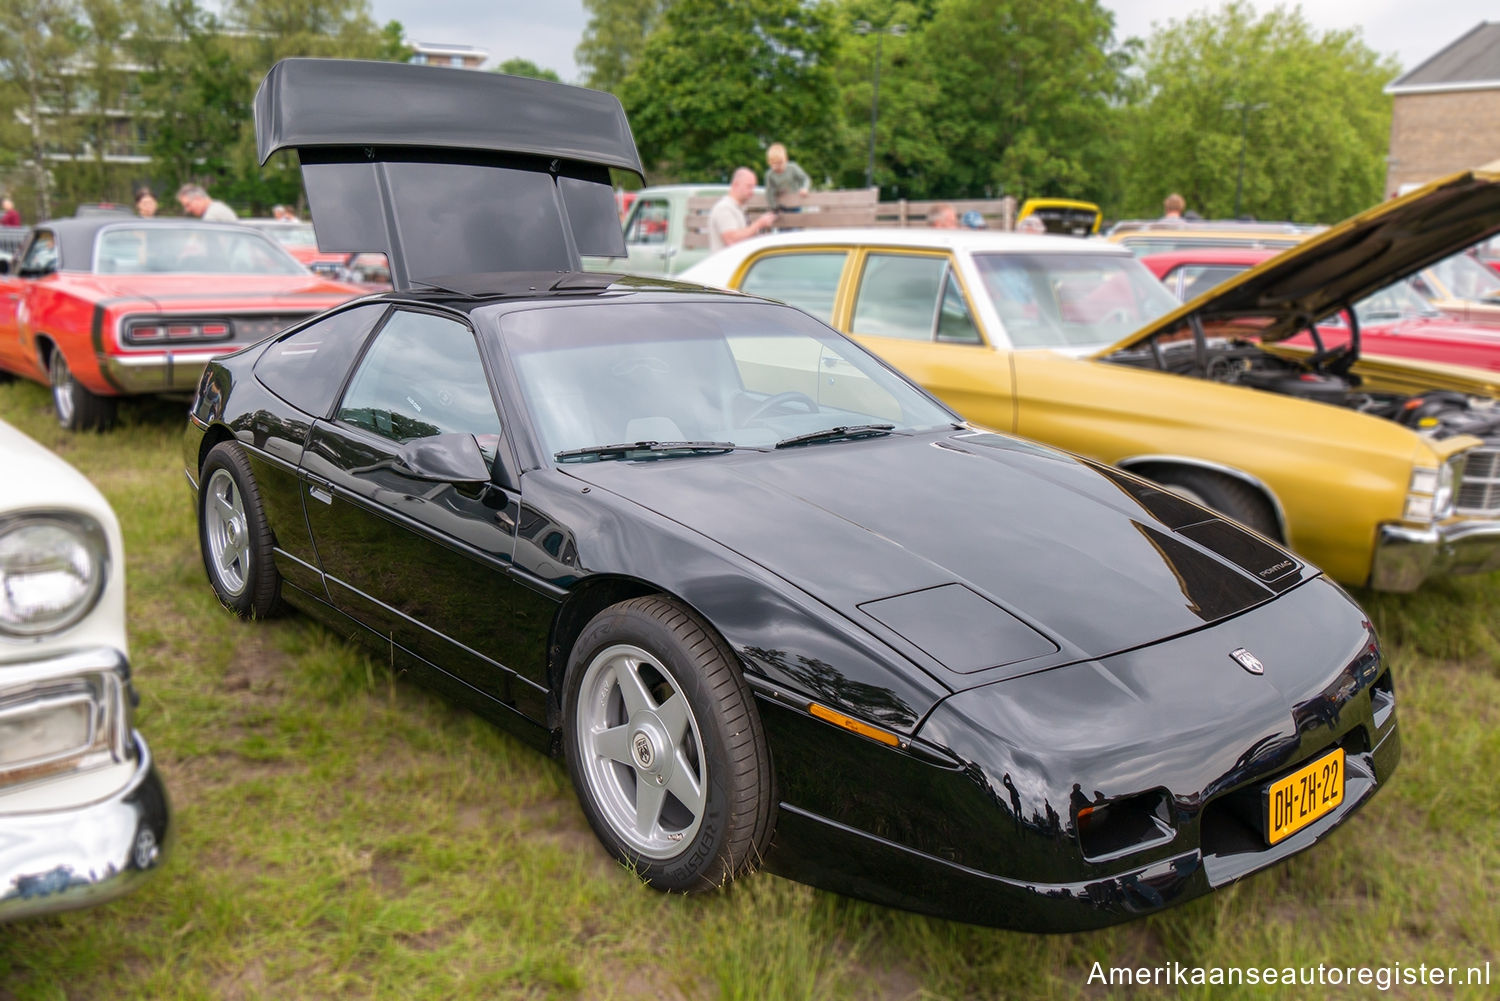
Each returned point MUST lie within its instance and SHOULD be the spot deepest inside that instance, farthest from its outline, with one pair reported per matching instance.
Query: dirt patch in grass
(385, 873)
(246, 982)
(256, 666)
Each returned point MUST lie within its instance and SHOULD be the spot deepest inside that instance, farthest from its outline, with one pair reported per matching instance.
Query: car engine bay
(1324, 377)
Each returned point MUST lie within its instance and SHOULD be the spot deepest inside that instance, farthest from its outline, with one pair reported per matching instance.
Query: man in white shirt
(726, 221)
(195, 201)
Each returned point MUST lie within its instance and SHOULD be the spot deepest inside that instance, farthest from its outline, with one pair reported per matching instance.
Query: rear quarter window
(307, 368)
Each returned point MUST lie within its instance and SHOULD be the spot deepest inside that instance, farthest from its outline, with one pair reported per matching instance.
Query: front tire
(77, 408)
(665, 746)
(233, 535)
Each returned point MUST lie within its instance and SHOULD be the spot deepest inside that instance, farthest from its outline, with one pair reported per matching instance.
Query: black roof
(1472, 59)
(466, 293)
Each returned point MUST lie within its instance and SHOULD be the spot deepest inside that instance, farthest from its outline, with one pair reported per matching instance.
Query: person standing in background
(786, 183)
(8, 214)
(1172, 206)
(195, 201)
(943, 216)
(726, 220)
(145, 203)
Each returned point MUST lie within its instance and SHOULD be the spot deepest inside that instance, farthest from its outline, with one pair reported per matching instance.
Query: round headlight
(52, 568)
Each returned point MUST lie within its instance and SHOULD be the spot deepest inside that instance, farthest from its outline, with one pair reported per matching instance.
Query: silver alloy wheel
(62, 387)
(227, 531)
(641, 751)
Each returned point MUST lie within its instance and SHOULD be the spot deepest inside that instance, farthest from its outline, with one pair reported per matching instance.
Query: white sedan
(83, 813)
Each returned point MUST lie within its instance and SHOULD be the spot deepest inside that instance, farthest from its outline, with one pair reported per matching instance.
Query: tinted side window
(421, 377)
(808, 281)
(648, 224)
(306, 368)
(898, 296)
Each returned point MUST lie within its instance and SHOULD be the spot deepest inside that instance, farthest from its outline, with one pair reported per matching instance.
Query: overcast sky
(547, 32)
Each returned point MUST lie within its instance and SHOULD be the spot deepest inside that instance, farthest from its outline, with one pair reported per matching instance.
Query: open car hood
(1349, 261)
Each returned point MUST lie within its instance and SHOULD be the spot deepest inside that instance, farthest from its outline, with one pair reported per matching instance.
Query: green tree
(195, 91)
(717, 83)
(201, 76)
(615, 37)
(1315, 121)
(1024, 90)
(909, 160)
(980, 97)
(525, 67)
(38, 41)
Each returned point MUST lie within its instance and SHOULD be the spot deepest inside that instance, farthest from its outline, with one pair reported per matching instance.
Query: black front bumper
(978, 817)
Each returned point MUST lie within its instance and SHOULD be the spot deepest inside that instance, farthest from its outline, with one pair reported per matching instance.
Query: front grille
(1479, 491)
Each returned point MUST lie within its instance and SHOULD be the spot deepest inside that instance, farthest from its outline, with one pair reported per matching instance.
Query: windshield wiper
(850, 431)
(624, 449)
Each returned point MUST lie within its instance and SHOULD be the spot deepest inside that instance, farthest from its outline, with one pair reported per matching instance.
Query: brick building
(1446, 112)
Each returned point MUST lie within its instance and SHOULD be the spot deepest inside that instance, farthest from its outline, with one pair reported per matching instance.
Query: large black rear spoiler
(449, 171)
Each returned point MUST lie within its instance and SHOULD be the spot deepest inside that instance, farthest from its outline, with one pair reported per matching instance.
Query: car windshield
(1071, 300)
(293, 234)
(134, 250)
(1465, 278)
(740, 373)
(1395, 302)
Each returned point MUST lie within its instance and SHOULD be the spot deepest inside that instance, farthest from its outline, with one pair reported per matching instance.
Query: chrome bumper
(157, 371)
(1405, 557)
(61, 859)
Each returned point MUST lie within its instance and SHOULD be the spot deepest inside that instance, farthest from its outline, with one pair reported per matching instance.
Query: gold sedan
(1386, 472)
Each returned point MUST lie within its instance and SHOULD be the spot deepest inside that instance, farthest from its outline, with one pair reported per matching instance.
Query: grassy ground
(343, 835)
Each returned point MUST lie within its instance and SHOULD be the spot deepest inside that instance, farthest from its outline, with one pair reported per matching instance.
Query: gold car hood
(1347, 262)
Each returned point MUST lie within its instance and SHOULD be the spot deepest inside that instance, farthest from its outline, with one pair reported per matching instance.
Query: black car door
(304, 368)
(422, 562)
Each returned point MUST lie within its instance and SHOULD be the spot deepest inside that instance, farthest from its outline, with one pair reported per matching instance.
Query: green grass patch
(341, 833)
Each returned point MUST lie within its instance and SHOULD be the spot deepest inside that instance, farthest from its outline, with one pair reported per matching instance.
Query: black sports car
(773, 603)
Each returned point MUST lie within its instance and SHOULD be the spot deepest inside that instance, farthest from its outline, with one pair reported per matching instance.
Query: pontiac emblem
(1248, 661)
(643, 751)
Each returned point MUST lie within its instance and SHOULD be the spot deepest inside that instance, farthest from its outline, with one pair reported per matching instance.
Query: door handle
(317, 493)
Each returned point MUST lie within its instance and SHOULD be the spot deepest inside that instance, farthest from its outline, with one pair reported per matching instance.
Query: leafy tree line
(184, 75)
(979, 98)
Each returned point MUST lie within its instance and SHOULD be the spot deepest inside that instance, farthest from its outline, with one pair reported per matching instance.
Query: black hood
(980, 534)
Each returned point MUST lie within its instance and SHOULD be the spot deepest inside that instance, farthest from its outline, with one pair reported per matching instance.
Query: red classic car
(103, 307)
(1396, 321)
(301, 241)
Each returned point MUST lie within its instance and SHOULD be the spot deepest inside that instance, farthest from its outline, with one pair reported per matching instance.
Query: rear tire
(665, 746)
(77, 408)
(233, 535)
(1224, 494)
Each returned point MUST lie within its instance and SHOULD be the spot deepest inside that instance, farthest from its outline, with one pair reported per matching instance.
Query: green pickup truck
(657, 228)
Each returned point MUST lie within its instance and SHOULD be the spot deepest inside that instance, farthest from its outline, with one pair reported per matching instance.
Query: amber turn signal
(850, 723)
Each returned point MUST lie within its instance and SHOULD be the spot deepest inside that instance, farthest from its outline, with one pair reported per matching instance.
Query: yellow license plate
(1303, 796)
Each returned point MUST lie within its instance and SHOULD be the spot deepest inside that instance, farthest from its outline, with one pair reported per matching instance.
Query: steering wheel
(787, 398)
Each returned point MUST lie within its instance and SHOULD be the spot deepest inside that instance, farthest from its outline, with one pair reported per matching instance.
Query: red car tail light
(180, 331)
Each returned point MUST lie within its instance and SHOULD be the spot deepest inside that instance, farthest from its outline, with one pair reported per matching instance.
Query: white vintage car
(83, 813)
